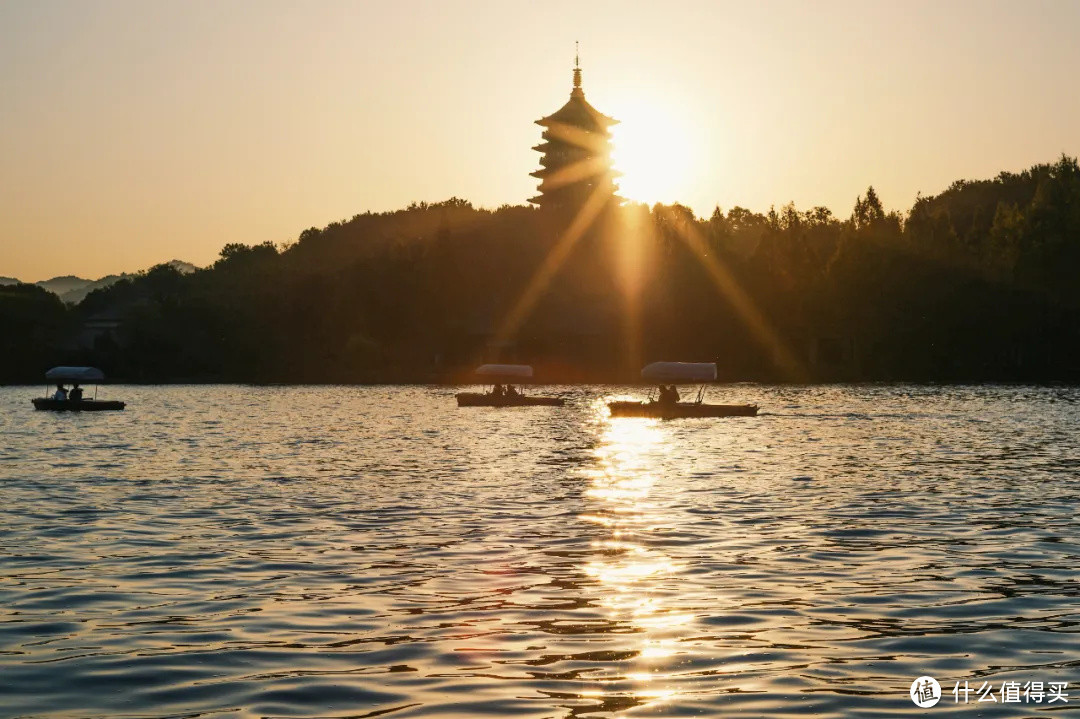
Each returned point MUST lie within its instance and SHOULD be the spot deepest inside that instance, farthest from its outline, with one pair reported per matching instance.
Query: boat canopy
(679, 372)
(75, 374)
(505, 372)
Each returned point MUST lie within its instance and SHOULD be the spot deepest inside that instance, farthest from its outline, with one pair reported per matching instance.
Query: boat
(680, 410)
(486, 399)
(76, 375)
(675, 373)
(508, 374)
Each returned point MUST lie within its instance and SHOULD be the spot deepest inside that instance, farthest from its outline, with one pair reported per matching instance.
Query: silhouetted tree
(975, 283)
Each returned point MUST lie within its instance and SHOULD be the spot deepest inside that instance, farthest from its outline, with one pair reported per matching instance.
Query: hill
(974, 284)
(72, 290)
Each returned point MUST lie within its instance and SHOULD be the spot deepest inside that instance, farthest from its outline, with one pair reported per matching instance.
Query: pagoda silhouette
(575, 161)
(574, 323)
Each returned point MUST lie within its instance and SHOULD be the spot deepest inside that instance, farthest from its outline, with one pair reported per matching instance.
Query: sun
(653, 151)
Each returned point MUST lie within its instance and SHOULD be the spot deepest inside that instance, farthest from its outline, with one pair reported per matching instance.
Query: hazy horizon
(135, 134)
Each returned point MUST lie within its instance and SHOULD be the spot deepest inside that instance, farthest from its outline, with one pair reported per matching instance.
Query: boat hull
(682, 409)
(85, 405)
(476, 399)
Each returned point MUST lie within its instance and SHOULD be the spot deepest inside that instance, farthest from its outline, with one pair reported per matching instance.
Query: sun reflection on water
(628, 565)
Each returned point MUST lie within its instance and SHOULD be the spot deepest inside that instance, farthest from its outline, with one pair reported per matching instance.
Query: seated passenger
(75, 395)
(511, 391)
(668, 394)
(60, 394)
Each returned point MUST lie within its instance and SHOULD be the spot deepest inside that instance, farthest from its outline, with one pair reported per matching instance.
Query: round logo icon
(925, 692)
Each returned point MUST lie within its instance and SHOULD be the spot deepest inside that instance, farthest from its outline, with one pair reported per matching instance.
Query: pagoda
(576, 151)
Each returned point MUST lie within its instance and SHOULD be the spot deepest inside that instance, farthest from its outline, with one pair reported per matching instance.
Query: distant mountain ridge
(72, 289)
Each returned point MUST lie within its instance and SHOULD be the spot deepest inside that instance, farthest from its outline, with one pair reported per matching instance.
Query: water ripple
(363, 552)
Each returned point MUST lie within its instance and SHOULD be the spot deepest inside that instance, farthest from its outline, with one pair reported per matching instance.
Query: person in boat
(498, 390)
(511, 391)
(60, 395)
(669, 395)
(75, 395)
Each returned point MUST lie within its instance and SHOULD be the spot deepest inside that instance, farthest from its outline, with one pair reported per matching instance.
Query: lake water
(360, 552)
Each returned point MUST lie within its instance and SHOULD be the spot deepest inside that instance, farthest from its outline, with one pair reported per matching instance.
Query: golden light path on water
(630, 572)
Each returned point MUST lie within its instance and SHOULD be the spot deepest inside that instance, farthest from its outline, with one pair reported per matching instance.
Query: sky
(133, 132)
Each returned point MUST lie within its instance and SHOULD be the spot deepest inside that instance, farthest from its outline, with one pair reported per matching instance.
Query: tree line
(977, 283)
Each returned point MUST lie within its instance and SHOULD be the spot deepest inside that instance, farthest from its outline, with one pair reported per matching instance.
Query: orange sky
(137, 132)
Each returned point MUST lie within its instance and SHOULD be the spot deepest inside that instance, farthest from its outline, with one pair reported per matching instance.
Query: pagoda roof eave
(547, 200)
(574, 112)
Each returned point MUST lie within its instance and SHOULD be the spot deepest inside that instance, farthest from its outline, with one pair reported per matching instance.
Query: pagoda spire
(577, 91)
(576, 151)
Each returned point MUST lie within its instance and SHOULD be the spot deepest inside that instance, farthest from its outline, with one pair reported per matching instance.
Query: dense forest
(978, 283)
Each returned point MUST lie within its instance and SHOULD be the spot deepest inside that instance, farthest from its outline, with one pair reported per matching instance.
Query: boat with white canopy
(503, 378)
(75, 376)
(668, 406)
